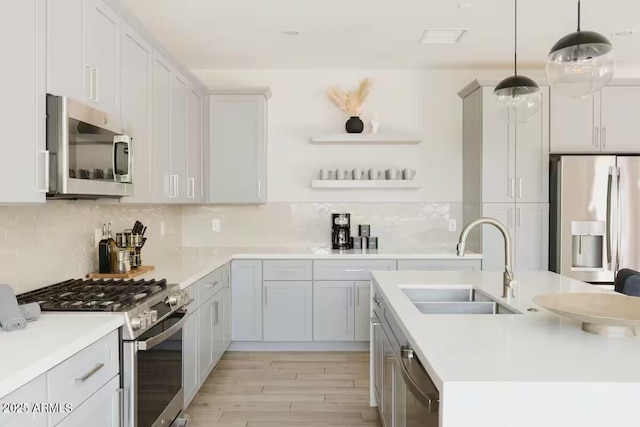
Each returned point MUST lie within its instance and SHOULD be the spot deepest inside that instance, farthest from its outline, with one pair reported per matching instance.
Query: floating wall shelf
(366, 138)
(365, 184)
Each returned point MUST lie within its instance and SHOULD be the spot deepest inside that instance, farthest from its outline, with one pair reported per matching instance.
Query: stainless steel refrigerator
(594, 216)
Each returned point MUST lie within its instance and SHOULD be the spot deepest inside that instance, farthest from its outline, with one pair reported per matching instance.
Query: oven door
(153, 373)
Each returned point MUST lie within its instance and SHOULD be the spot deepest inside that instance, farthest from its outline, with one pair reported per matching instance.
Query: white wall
(412, 101)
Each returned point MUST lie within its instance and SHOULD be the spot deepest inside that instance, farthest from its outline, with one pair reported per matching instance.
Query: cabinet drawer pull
(288, 270)
(212, 284)
(354, 270)
(90, 373)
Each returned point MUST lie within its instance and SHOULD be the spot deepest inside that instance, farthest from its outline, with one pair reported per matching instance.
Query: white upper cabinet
(238, 148)
(515, 157)
(83, 53)
(194, 148)
(161, 130)
(620, 127)
(102, 55)
(137, 56)
(532, 155)
(179, 94)
(574, 128)
(603, 122)
(498, 149)
(24, 163)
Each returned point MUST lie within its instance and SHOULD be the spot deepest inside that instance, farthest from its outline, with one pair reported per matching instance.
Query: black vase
(354, 125)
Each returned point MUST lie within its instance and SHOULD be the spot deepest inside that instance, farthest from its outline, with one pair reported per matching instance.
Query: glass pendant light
(518, 95)
(580, 63)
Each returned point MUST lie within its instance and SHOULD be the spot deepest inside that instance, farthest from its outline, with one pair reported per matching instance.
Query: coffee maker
(341, 231)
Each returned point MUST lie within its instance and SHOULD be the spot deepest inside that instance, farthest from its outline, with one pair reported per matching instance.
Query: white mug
(393, 174)
(342, 173)
(408, 174)
(375, 173)
(332, 175)
(324, 174)
(358, 174)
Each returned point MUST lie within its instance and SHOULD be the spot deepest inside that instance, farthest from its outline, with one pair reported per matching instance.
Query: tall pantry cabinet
(506, 176)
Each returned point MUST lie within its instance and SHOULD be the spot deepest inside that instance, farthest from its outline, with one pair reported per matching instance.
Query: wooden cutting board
(135, 272)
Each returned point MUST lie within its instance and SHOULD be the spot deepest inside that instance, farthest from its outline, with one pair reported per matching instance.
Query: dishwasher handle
(418, 381)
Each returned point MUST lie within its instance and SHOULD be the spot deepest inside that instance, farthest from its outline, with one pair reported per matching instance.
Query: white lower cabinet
(217, 331)
(206, 316)
(32, 392)
(287, 311)
(190, 374)
(100, 410)
(246, 300)
(362, 316)
(333, 311)
(528, 226)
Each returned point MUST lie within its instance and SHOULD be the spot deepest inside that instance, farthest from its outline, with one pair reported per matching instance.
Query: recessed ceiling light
(442, 35)
(291, 33)
(464, 5)
(625, 33)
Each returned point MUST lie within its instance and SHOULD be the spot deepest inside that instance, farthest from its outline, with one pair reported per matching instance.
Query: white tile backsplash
(398, 225)
(44, 244)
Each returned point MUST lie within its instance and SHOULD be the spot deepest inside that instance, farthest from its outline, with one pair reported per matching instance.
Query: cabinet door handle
(192, 186)
(215, 304)
(518, 217)
(96, 80)
(596, 136)
(519, 188)
(45, 188)
(604, 137)
(174, 186)
(88, 82)
(357, 291)
(90, 373)
(265, 296)
(512, 188)
(259, 188)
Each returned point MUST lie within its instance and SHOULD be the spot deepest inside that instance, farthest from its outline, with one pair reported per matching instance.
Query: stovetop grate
(93, 295)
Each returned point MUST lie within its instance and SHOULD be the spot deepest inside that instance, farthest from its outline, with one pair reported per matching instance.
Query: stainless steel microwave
(89, 156)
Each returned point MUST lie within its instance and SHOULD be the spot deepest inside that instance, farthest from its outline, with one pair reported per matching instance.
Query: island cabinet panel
(378, 362)
(246, 300)
(440, 264)
(362, 311)
(333, 311)
(287, 309)
(211, 324)
(100, 410)
(33, 391)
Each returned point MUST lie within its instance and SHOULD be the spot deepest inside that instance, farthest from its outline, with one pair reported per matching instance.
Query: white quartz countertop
(46, 342)
(530, 347)
(187, 265)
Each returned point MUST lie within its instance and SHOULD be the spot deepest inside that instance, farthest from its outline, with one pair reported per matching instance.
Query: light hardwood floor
(286, 389)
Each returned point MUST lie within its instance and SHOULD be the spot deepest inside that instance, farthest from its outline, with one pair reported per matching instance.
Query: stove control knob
(173, 299)
(154, 316)
(148, 317)
(138, 322)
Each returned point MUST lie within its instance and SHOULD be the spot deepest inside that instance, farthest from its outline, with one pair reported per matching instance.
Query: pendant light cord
(578, 15)
(515, 38)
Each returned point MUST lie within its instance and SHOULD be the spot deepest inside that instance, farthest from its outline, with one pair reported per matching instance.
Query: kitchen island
(530, 368)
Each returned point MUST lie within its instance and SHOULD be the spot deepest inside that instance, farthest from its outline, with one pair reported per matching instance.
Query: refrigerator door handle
(618, 222)
(609, 230)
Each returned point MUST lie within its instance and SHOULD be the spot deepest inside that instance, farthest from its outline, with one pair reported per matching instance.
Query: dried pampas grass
(351, 101)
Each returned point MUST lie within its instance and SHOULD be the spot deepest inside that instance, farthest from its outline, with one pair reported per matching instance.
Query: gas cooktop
(95, 295)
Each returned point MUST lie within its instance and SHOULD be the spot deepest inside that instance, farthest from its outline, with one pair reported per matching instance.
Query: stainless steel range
(151, 339)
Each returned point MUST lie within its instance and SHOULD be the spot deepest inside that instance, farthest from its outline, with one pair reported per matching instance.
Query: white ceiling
(375, 33)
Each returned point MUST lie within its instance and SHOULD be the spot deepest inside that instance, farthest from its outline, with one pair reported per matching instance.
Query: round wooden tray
(600, 313)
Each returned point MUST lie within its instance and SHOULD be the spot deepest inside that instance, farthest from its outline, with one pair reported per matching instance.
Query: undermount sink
(454, 299)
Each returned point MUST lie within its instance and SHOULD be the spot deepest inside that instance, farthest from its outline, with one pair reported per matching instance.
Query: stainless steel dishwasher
(407, 396)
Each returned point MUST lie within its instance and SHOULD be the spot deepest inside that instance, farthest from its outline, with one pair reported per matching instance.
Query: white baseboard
(299, 346)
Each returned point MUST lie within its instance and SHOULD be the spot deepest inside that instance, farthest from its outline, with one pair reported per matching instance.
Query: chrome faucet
(509, 282)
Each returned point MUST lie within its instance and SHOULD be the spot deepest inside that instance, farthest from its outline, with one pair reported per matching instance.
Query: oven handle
(154, 341)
